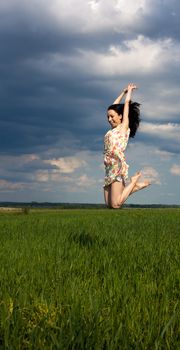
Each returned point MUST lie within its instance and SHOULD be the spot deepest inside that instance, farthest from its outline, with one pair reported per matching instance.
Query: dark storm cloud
(165, 20)
(37, 109)
(39, 105)
(161, 19)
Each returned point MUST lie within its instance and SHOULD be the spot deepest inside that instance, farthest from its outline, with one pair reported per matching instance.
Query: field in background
(90, 279)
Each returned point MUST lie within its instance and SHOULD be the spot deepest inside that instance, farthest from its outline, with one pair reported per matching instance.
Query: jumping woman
(124, 120)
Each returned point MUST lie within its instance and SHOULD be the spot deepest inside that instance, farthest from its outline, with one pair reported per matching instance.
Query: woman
(124, 120)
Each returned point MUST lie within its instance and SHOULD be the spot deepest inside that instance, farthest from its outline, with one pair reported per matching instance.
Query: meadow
(90, 279)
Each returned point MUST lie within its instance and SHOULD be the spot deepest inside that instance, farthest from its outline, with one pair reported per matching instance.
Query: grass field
(90, 279)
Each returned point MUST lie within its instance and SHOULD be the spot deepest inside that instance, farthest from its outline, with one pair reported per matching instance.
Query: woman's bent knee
(115, 206)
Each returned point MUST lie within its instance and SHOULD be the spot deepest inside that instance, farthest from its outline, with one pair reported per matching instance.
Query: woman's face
(114, 118)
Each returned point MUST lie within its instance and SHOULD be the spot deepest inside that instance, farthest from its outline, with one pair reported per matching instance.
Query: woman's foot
(135, 177)
(140, 185)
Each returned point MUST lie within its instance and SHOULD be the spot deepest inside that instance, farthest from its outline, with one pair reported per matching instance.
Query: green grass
(90, 279)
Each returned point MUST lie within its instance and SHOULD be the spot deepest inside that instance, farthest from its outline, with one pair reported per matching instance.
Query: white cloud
(69, 183)
(85, 181)
(175, 169)
(147, 154)
(94, 5)
(89, 16)
(51, 176)
(69, 175)
(98, 15)
(164, 131)
(141, 55)
(18, 159)
(13, 166)
(11, 186)
(66, 164)
(93, 16)
(151, 174)
(42, 176)
(164, 155)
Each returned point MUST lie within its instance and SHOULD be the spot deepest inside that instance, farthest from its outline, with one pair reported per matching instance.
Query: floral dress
(115, 142)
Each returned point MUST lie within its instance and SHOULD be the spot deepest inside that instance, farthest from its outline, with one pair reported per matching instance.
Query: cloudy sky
(62, 62)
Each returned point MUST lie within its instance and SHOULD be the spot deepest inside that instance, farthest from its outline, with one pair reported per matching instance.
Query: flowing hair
(134, 115)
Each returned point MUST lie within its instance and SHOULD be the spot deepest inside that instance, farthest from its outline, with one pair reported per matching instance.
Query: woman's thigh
(117, 188)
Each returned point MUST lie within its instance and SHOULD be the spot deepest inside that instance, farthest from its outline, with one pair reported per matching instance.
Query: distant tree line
(50, 205)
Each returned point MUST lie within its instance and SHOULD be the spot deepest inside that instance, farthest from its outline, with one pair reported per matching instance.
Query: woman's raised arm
(125, 121)
(120, 97)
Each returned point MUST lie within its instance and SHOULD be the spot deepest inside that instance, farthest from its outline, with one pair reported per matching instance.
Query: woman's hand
(125, 122)
(131, 87)
(125, 90)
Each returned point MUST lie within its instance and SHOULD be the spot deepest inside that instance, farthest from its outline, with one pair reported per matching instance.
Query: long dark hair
(134, 115)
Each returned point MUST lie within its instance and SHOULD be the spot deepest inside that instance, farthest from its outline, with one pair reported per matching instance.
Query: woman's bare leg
(120, 192)
(107, 195)
(117, 189)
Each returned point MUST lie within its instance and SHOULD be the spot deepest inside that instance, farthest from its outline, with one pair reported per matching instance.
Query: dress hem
(117, 179)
